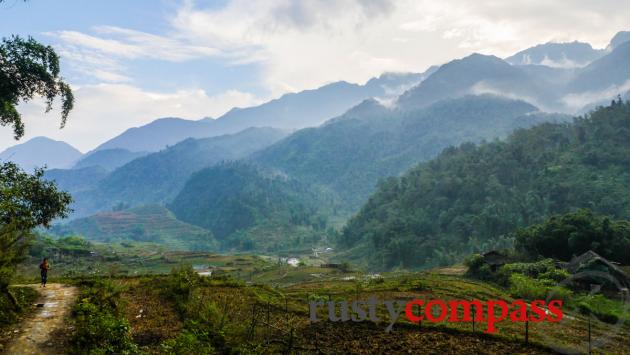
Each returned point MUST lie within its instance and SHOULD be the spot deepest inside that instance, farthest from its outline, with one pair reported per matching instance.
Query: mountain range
(158, 177)
(323, 153)
(551, 88)
(348, 155)
(291, 111)
(533, 75)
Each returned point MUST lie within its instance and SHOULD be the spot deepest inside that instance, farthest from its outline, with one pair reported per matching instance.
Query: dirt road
(38, 333)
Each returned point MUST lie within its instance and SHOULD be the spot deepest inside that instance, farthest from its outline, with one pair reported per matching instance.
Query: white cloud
(578, 101)
(101, 56)
(131, 44)
(565, 63)
(105, 110)
(304, 44)
(484, 88)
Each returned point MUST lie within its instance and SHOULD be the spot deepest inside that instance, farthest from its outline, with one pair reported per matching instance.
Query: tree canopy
(471, 198)
(564, 236)
(26, 201)
(28, 69)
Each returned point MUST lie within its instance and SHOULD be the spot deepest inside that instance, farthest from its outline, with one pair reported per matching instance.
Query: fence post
(252, 329)
(290, 343)
(590, 347)
(224, 312)
(526, 325)
(527, 332)
(474, 311)
(268, 324)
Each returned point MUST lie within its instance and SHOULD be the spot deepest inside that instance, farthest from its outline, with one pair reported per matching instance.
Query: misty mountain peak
(618, 39)
(557, 55)
(368, 108)
(458, 78)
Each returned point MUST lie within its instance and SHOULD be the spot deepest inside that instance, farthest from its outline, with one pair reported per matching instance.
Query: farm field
(256, 304)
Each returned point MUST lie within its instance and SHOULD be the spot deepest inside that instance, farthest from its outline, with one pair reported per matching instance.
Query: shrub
(180, 284)
(202, 333)
(23, 296)
(187, 342)
(525, 287)
(478, 269)
(604, 309)
(556, 275)
(101, 327)
(531, 269)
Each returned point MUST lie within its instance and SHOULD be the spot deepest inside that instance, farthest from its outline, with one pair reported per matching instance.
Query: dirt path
(35, 333)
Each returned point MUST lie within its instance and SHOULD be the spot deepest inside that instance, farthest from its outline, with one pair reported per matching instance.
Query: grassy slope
(264, 282)
(152, 223)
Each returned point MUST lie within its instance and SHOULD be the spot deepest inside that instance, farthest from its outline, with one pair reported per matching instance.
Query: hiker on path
(44, 266)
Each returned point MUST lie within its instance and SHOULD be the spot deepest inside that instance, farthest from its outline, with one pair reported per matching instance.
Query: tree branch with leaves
(28, 69)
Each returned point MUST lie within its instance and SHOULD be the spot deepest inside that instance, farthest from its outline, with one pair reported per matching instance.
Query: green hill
(247, 207)
(469, 197)
(77, 180)
(109, 159)
(349, 154)
(158, 177)
(152, 223)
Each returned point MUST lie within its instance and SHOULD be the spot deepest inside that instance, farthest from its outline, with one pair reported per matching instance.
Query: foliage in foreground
(23, 298)
(26, 201)
(101, 327)
(202, 331)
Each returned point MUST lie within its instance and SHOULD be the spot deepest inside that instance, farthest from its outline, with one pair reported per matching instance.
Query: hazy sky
(130, 62)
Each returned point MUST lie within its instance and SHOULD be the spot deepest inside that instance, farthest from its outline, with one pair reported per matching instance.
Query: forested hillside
(349, 154)
(109, 159)
(77, 180)
(565, 236)
(469, 198)
(158, 177)
(232, 199)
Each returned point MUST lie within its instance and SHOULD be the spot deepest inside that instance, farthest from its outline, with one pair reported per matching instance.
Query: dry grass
(152, 317)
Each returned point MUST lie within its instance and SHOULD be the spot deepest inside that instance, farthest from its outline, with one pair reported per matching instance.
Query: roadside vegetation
(183, 312)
